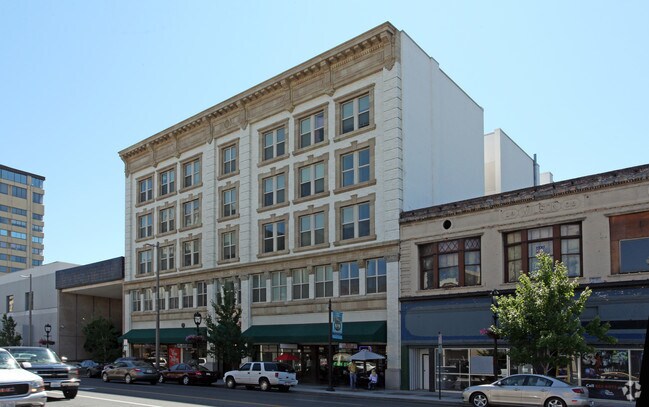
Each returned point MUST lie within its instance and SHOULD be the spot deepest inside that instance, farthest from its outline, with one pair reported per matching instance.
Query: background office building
(21, 219)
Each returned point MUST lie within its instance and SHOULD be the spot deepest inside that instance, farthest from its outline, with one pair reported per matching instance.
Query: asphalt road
(95, 393)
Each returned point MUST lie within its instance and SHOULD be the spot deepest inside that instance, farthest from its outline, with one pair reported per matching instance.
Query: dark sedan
(188, 374)
(131, 371)
(90, 368)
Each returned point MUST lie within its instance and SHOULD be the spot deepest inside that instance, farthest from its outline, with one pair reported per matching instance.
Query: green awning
(167, 335)
(358, 332)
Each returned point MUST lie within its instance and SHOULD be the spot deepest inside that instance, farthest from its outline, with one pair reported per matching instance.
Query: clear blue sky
(82, 80)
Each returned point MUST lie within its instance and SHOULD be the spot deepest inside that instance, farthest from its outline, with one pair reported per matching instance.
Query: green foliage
(224, 333)
(102, 339)
(8, 335)
(541, 321)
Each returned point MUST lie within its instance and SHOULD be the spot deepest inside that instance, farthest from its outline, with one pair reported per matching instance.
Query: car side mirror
(26, 365)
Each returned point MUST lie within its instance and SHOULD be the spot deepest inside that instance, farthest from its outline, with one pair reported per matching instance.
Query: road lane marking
(119, 401)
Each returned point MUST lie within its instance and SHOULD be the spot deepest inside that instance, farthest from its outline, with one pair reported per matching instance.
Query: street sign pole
(439, 363)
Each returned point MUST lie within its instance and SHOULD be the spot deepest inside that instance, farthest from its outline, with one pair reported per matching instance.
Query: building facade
(454, 256)
(22, 223)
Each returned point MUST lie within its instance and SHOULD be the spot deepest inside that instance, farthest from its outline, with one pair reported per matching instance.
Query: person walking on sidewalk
(352, 375)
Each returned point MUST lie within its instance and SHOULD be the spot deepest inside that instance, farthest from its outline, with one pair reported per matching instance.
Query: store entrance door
(425, 371)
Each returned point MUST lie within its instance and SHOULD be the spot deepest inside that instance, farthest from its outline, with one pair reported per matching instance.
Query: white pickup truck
(262, 374)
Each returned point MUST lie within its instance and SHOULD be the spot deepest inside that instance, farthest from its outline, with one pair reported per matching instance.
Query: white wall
(507, 166)
(442, 134)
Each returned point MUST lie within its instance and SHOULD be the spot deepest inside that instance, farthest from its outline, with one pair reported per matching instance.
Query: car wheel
(70, 394)
(104, 377)
(161, 379)
(264, 384)
(128, 379)
(230, 383)
(88, 373)
(555, 402)
(185, 380)
(479, 400)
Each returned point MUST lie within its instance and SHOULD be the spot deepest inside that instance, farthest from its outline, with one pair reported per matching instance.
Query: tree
(8, 335)
(541, 321)
(224, 334)
(102, 339)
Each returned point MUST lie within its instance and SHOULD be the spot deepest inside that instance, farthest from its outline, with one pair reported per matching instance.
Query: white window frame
(191, 173)
(167, 257)
(278, 281)
(313, 179)
(300, 284)
(376, 270)
(311, 230)
(277, 143)
(277, 238)
(191, 213)
(191, 251)
(347, 275)
(258, 285)
(144, 262)
(324, 281)
(275, 189)
(229, 202)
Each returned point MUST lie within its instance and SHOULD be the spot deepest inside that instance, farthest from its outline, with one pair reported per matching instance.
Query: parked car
(56, 374)
(527, 390)
(19, 386)
(131, 371)
(188, 374)
(262, 374)
(162, 361)
(90, 368)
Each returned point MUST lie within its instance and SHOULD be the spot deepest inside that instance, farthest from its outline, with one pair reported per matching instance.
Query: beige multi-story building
(21, 219)
(456, 257)
(291, 191)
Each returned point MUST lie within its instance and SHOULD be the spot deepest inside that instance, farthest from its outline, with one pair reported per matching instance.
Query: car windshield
(7, 361)
(141, 363)
(34, 355)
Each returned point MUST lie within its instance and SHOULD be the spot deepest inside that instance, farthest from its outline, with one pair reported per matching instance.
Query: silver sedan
(527, 390)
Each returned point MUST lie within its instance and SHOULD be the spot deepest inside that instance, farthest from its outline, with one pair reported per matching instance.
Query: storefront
(305, 347)
(174, 346)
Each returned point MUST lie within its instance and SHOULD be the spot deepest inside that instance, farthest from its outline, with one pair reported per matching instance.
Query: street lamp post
(48, 329)
(197, 320)
(30, 300)
(494, 296)
(156, 248)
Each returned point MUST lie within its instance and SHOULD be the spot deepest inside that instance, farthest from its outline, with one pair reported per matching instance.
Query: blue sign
(337, 325)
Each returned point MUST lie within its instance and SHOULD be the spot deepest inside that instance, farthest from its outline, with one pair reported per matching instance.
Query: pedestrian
(374, 378)
(352, 374)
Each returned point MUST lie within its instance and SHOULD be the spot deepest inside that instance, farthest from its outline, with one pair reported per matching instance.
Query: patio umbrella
(285, 357)
(366, 355)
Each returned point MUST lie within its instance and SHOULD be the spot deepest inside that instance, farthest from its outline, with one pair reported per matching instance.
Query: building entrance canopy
(359, 332)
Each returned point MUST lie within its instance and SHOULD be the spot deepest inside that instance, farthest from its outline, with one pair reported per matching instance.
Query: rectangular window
(10, 303)
(312, 229)
(349, 278)
(145, 226)
(19, 192)
(229, 242)
(167, 259)
(312, 179)
(4, 188)
(633, 255)
(174, 302)
(37, 198)
(522, 246)
(312, 130)
(168, 182)
(258, 288)
(355, 221)
(300, 284)
(145, 186)
(355, 114)
(274, 237)
(201, 294)
(191, 173)
(376, 274)
(278, 286)
(188, 295)
(274, 190)
(355, 167)
(144, 261)
(274, 143)
(229, 202)
(191, 253)
(136, 305)
(167, 218)
(191, 213)
(450, 263)
(229, 160)
(324, 281)
(147, 299)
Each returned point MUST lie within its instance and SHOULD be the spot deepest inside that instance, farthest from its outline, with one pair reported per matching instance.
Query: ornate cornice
(361, 56)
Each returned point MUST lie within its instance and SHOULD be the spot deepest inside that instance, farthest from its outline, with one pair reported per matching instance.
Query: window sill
(272, 160)
(300, 151)
(229, 261)
(340, 190)
(193, 267)
(311, 197)
(272, 254)
(354, 133)
(221, 177)
(355, 240)
(312, 247)
(186, 228)
(189, 188)
(166, 196)
(227, 218)
(271, 207)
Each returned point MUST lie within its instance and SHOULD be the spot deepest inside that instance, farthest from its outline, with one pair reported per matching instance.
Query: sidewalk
(448, 397)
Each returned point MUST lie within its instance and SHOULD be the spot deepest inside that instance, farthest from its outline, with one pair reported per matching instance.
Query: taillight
(578, 390)
(137, 370)
(276, 374)
(199, 373)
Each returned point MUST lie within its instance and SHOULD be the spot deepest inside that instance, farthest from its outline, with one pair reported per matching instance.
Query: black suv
(44, 362)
